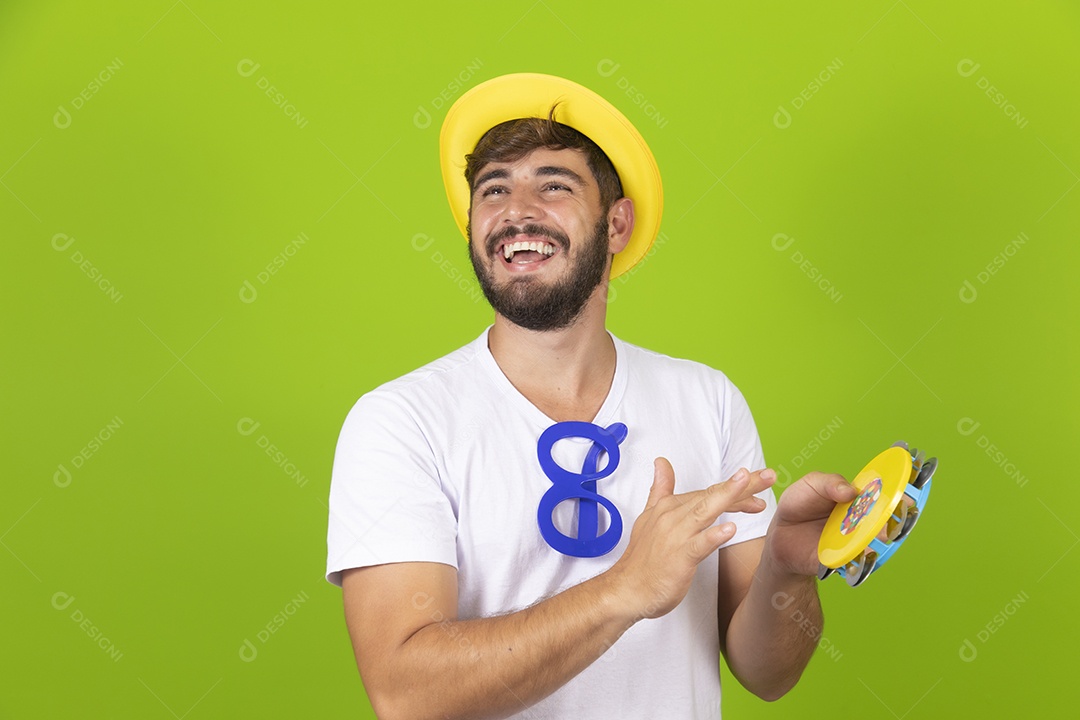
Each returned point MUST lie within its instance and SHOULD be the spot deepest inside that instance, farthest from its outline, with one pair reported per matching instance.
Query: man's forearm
(774, 631)
(494, 667)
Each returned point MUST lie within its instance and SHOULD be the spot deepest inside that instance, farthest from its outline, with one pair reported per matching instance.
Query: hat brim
(521, 95)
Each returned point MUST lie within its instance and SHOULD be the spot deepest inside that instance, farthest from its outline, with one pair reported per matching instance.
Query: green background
(896, 177)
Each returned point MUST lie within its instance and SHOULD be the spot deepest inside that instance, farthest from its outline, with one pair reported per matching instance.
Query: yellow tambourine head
(852, 526)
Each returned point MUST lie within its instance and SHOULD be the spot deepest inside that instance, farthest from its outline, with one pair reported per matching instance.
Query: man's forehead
(542, 159)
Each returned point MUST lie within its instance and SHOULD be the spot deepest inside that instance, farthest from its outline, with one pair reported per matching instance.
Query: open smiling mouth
(526, 252)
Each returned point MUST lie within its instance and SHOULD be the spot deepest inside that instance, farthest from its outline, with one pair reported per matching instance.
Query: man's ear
(620, 224)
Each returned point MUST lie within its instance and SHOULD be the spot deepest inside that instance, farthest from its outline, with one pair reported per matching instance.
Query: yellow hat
(521, 95)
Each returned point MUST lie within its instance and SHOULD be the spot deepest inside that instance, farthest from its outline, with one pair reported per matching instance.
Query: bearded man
(504, 521)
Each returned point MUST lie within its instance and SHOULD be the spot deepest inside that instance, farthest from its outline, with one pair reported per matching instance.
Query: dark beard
(528, 302)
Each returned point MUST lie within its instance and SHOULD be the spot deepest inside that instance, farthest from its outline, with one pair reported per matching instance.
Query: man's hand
(801, 512)
(675, 533)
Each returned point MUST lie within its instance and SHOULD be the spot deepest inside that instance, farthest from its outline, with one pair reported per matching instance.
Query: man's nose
(523, 205)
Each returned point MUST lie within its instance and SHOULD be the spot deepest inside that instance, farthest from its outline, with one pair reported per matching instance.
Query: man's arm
(770, 619)
(418, 660)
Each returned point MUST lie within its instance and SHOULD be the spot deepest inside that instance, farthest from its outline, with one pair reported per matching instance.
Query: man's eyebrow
(561, 171)
(500, 174)
(545, 170)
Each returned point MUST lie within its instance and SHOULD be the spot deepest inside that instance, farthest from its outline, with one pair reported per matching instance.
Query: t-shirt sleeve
(742, 449)
(387, 504)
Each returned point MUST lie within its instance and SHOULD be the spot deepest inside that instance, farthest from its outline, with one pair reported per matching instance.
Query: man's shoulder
(668, 368)
(446, 375)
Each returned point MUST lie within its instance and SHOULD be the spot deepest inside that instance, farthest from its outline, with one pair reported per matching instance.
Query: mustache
(529, 229)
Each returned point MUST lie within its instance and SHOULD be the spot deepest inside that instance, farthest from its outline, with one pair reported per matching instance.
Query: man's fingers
(735, 495)
(704, 506)
(759, 480)
(831, 486)
(708, 540)
(747, 500)
(842, 491)
(663, 483)
(747, 505)
(843, 494)
(814, 497)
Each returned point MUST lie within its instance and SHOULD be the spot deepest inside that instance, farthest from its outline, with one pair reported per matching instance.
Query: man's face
(537, 238)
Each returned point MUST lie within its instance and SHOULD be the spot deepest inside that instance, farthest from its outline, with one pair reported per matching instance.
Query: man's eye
(492, 190)
(555, 186)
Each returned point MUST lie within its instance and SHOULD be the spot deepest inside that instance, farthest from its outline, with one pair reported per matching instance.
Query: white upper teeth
(541, 247)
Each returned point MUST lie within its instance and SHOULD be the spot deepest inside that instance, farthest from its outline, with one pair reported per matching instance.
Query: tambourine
(861, 535)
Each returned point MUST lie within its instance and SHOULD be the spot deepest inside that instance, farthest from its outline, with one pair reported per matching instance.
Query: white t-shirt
(441, 465)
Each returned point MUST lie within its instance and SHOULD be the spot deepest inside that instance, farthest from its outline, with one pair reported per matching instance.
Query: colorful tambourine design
(862, 534)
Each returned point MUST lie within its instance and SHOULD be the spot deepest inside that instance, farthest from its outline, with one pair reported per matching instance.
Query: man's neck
(565, 373)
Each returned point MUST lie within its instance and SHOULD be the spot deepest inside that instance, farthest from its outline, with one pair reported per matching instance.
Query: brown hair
(514, 139)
